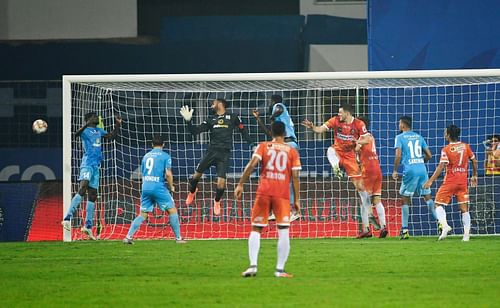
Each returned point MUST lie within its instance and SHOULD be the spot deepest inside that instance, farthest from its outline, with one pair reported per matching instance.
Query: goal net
(150, 104)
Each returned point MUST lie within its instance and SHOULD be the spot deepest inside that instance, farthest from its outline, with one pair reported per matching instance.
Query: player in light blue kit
(413, 152)
(91, 136)
(279, 113)
(155, 167)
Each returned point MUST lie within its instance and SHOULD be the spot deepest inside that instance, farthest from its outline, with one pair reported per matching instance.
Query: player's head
(405, 123)
(157, 141)
(365, 120)
(492, 141)
(494, 138)
(345, 111)
(452, 132)
(219, 105)
(275, 99)
(278, 129)
(91, 118)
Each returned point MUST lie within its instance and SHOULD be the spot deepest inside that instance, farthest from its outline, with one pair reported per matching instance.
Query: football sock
(136, 223)
(441, 215)
(364, 209)
(193, 183)
(405, 213)
(89, 217)
(174, 224)
(283, 248)
(218, 193)
(466, 222)
(253, 247)
(381, 214)
(74, 204)
(432, 208)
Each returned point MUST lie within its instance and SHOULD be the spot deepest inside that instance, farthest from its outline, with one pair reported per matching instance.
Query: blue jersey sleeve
(278, 105)
(398, 144)
(168, 162)
(102, 131)
(423, 143)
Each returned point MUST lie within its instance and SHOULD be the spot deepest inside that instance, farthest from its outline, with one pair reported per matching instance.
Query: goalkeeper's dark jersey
(221, 128)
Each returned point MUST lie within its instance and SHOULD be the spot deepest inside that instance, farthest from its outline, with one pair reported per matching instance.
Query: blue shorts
(90, 174)
(412, 183)
(160, 197)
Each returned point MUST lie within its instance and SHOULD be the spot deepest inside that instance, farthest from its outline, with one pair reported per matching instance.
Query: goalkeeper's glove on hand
(101, 123)
(187, 113)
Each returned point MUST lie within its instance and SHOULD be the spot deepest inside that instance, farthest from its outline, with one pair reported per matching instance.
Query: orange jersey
(277, 160)
(456, 155)
(345, 134)
(369, 157)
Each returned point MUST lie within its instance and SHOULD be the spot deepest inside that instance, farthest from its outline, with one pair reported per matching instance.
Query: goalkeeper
(221, 127)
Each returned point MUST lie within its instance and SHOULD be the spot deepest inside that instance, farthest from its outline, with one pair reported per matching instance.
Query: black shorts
(217, 158)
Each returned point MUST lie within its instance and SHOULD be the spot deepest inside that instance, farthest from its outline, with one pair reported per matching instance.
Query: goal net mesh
(330, 207)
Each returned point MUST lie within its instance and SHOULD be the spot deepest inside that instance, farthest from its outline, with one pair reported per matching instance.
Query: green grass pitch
(328, 272)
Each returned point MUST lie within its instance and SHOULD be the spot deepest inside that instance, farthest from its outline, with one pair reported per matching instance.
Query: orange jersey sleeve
(277, 160)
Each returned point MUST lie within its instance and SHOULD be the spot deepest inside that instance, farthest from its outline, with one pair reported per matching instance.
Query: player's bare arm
(170, 180)
(80, 131)
(262, 126)
(114, 132)
(427, 154)
(435, 175)
(473, 179)
(365, 139)
(397, 161)
(317, 129)
(238, 191)
(296, 190)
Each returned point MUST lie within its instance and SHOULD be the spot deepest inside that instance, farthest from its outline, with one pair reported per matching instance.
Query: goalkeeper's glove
(101, 123)
(187, 113)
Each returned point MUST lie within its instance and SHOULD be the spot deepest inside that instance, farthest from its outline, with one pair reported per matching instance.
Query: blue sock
(89, 219)
(134, 226)
(74, 204)
(405, 214)
(432, 209)
(174, 224)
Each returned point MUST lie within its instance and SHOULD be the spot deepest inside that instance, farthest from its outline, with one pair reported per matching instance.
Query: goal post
(149, 104)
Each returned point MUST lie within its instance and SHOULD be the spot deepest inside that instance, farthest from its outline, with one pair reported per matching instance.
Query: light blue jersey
(91, 140)
(412, 147)
(287, 120)
(153, 167)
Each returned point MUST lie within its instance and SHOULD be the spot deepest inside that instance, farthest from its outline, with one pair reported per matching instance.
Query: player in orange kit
(372, 175)
(455, 158)
(347, 131)
(280, 165)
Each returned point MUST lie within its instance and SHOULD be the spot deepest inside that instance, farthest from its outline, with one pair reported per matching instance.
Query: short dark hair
(223, 101)
(89, 115)
(275, 98)
(406, 121)
(365, 120)
(278, 129)
(157, 140)
(347, 107)
(453, 132)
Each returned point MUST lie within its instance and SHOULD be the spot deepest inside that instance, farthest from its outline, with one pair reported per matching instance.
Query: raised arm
(243, 130)
(187, 114)
(80, 131)
(262, 126)
(114, 132)
(317, 129)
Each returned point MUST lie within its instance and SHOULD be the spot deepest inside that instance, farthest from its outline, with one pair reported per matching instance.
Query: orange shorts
(447, 191)
(262, 206)
(349, 163)
(372, 181)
